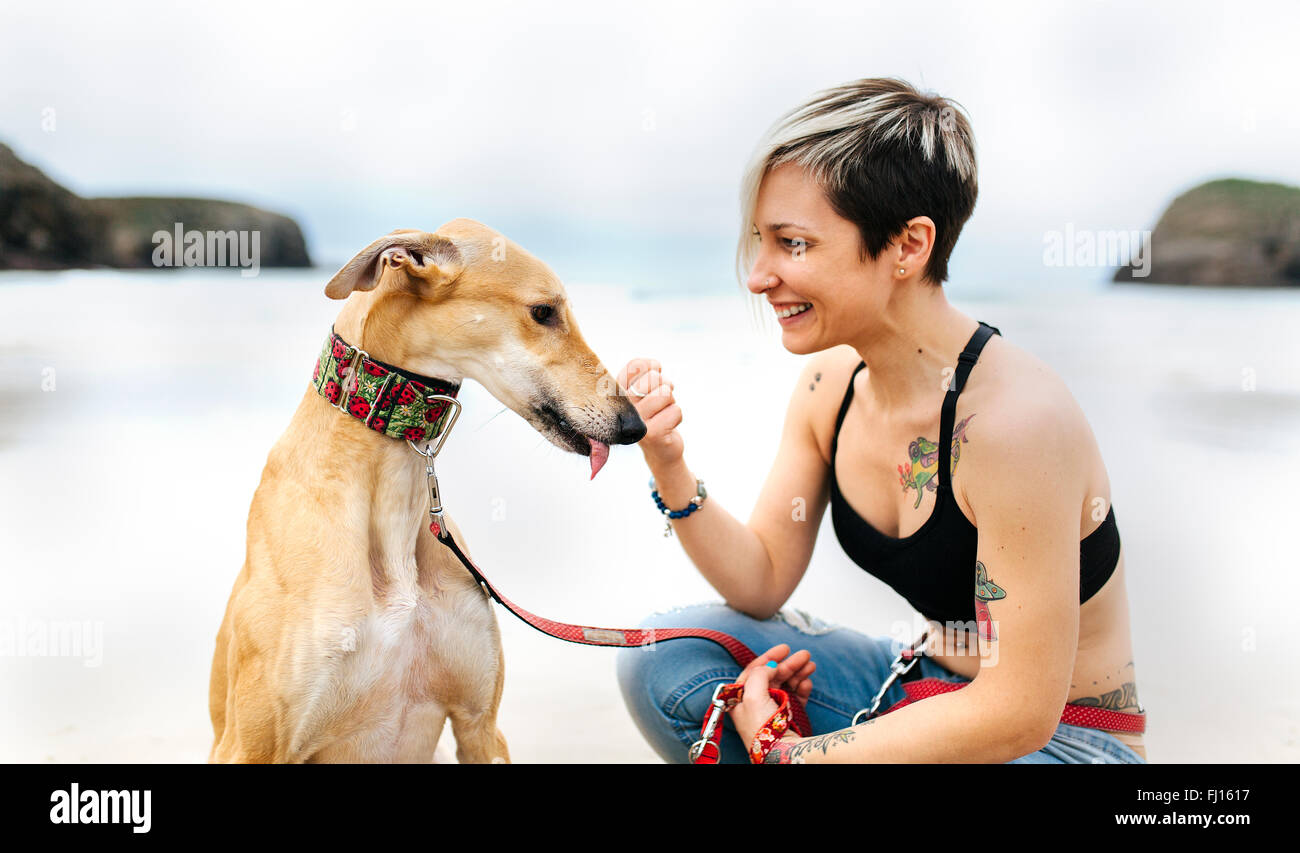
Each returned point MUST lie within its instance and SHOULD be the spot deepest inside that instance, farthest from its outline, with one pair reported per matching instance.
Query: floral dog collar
(385, 398)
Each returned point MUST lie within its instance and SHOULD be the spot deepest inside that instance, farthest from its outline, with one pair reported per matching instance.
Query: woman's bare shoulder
(1024, 406)
(1014, 382)
(825, 380)
(838, 362)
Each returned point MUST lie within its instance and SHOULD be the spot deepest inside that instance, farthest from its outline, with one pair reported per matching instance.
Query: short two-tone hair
(883, 152)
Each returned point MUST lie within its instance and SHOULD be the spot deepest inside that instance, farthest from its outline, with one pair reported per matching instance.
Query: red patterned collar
(385, 398)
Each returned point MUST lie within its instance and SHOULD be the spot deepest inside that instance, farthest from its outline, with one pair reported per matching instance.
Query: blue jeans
(667, 686)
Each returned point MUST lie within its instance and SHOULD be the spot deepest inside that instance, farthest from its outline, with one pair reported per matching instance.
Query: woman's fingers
(791, 666)
(635, 368)
(651, 393)
(800, 683)
(640, 376)
(776, 653)
(794, 671)
(651, 383)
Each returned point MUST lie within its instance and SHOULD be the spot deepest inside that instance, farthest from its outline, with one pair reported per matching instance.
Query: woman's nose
(760, 280)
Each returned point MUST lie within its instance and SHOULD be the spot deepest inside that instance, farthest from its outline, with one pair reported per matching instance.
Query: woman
(851, 208)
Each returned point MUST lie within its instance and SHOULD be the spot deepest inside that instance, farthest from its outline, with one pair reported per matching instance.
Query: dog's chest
(417, 648)
(393, 652)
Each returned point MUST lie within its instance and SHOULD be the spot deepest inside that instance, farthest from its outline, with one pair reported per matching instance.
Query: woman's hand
(791, 674)
(652, 395)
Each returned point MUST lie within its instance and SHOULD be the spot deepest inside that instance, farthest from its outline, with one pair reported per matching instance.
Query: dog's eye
(543, 313)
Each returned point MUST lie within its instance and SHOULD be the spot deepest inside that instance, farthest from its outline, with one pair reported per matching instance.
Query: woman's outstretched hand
(792, 674)
(652, 395)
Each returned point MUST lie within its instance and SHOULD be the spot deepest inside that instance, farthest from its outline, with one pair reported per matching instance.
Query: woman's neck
(909, 345)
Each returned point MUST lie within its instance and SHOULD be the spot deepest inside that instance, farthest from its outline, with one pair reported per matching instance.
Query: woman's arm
(755, 566)
(1025, 484)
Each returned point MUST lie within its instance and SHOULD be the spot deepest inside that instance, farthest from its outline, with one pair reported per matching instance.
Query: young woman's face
(808, 255)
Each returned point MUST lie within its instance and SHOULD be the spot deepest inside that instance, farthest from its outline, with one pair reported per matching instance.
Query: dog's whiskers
(489, 420)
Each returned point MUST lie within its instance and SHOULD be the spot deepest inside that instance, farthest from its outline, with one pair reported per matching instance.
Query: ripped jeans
(667, 686)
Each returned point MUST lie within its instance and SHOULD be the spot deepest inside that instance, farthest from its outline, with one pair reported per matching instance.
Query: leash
(616, 637)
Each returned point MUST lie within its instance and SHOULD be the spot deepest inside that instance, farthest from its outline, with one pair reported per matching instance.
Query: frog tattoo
(922, 469)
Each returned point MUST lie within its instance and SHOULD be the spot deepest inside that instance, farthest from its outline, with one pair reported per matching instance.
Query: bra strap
(965, 362)
(844, 408)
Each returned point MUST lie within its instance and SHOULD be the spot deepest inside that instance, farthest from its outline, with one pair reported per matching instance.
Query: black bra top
(934, 568)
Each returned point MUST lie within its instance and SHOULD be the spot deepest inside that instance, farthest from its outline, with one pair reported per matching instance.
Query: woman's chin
(798, 344)
(797, 337)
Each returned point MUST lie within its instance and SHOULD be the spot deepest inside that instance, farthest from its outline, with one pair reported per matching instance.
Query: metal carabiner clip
(896, 668)
(710, 725)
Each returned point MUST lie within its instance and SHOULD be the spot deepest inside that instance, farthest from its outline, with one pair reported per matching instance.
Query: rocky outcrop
(1227, 232)
(46, 226)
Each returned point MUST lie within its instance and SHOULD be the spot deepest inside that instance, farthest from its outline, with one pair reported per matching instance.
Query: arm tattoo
(816, 378)
(985, 591)
(793, 752)
(921, 471)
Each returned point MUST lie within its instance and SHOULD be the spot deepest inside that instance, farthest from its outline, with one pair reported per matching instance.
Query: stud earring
(902, 271)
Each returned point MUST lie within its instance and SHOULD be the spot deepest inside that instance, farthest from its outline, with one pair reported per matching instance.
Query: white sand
(126, 489)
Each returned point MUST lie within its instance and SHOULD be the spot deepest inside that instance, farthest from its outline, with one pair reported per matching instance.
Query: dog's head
(465, 301)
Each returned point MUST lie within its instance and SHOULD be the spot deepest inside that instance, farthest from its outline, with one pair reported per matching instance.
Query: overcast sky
(610, 140)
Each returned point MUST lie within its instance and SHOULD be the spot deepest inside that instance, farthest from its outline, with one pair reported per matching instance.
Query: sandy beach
(126, 487)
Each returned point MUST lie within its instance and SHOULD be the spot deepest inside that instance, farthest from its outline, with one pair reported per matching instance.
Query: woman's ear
(416, 258)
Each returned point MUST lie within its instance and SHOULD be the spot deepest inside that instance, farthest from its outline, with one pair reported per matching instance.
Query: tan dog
(352, 634)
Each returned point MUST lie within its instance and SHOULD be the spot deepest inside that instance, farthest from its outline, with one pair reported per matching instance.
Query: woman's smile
(794, 313)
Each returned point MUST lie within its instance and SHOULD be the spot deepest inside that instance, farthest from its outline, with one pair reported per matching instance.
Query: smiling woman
(851, 207)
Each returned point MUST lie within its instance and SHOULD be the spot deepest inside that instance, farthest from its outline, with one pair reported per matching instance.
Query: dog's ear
(416, 257)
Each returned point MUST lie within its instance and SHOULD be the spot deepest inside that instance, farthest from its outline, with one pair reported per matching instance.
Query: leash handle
(708, 749)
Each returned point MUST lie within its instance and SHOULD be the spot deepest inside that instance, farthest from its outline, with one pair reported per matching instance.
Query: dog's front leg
(470, 651)
(478, 740)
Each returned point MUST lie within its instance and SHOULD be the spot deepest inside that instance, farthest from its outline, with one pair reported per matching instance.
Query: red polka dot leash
(795, 713)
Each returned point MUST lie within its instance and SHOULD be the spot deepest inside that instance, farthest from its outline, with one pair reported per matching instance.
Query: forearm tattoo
(985, 591)
(921, 471)
(794, 751)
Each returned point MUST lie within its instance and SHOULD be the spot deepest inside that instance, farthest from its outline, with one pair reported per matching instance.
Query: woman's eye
(542, 313)
(794, 242)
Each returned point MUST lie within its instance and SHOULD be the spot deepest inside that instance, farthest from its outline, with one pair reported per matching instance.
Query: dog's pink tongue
(599, 453)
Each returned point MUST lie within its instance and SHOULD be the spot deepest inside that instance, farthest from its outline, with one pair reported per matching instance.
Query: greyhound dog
(351, 633)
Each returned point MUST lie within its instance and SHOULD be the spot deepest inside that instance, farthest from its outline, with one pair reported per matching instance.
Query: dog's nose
(631, 428)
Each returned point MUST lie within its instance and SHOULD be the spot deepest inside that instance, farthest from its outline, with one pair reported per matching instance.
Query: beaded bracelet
(696, 502)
